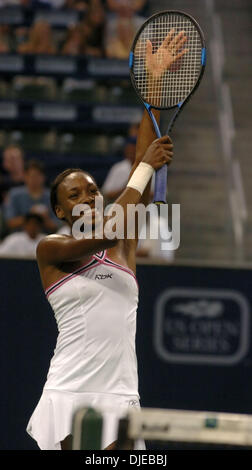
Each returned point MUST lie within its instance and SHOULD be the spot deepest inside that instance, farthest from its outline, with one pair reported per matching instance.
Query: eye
(73, 196)
(94, 190)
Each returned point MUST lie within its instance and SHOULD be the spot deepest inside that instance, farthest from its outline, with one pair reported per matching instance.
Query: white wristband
(141, 177)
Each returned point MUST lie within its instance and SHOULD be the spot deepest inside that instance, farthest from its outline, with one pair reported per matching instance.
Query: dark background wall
(193, 342)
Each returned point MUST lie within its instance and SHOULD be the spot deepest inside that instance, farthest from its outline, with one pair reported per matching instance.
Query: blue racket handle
(160, 185)
(161, 174)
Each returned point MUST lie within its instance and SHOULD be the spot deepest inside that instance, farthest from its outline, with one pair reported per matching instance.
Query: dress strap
(100, 256)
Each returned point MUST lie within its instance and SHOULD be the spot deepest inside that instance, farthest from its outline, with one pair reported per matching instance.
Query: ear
(59, 212)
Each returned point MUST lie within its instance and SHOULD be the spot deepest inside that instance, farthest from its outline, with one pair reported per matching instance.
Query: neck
(35, 192)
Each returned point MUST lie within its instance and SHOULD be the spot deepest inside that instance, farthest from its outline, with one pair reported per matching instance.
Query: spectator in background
(119, 173)
(148, 247)
(128, 7)
(12, 173)
(80, 5)
(33, 197)
(118, 44)
(73, 44)
(120, 32)
(93, 29)
(23, 244)
(21, 34)
(5, 41)
(87, 37)
(40, 40)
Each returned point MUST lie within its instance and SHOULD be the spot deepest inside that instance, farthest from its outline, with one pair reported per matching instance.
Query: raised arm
(146, 135)
(156, 64)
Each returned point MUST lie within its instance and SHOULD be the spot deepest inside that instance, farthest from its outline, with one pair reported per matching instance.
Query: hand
(166, 55)
(159, 153)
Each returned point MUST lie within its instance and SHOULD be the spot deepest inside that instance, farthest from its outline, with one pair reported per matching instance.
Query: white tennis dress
(94, 362)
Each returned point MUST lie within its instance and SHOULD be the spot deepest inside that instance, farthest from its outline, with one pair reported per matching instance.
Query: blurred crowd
(106, 29)
(26, 214)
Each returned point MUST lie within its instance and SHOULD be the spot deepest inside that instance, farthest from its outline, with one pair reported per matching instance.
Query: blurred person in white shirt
(152, 247)
(23, 244)
(118, 174)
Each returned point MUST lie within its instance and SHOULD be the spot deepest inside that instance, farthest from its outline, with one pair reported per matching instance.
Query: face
(32, 227)
(130, 152)
(76, 188)
(13, 160)
(41, 30)
(34, 179)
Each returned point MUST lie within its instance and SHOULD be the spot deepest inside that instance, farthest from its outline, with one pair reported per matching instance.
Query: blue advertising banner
(193, 342)
(194, 338)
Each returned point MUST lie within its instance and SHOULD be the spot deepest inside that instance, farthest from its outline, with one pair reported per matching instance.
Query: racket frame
(161, 174)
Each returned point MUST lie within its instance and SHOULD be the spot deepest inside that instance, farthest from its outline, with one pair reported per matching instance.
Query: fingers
(164, 140)
(165, 150)
(181, 54)
(168, 153)
(148, 48)
(172, 41)
(180, 43)
(167, 147)
(168, 159)
(164, 159)
(159, 152)
(168, 38)
(177, 39)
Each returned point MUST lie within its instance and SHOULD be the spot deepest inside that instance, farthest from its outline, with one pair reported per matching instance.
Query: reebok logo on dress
(103, 276)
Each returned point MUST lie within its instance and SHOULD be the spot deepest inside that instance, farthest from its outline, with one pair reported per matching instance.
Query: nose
(89, 200)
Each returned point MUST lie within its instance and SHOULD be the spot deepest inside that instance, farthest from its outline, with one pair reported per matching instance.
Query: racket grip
(160, 185)
(161, 174)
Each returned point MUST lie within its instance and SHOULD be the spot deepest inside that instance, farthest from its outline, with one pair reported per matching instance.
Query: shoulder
(18, 191)
(53, 238)
(48, 242)
(118, 173)
(123, 165)
(13, 237)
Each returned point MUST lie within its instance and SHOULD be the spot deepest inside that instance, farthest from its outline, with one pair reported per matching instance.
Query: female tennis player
(91, 286)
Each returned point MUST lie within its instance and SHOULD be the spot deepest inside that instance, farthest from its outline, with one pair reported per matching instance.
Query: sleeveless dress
(94, 361)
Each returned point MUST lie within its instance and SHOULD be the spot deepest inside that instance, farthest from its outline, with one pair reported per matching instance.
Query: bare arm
(146, 135)
(56, 249)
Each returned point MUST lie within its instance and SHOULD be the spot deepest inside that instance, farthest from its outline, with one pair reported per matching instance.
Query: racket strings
(179, 80)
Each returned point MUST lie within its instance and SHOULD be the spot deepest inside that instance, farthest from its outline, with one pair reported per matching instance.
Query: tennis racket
(167, 62)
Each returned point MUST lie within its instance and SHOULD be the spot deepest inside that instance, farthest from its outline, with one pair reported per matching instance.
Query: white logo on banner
(201, 326)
